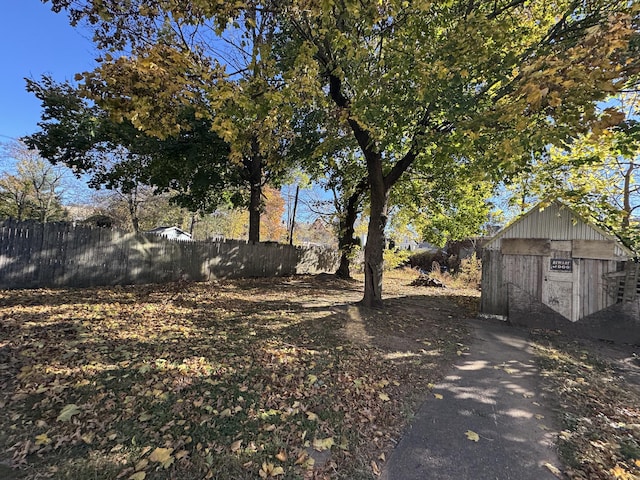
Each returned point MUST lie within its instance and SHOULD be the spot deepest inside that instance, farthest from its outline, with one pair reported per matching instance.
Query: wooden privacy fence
(34, 255)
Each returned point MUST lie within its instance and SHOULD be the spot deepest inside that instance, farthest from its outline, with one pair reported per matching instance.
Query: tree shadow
(486, 419)
(285, 342)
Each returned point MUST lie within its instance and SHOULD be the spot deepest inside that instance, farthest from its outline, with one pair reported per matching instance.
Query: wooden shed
(552, 263)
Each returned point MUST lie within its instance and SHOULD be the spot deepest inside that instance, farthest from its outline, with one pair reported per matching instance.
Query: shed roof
(556, 221)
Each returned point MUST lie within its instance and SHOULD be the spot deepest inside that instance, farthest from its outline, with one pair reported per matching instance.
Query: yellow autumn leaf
(270, 470)
(312, 379)
(42, 439)
(162, 456)
(553, 469)
(282, 456)
(384, 397)
(637, 462)
(67, 412)
(138, 476)
(181, 454)
(619, 472)
(305, 461)
(471, 435)
(235, 446)
(312, 416)
(321, 444)
(438, 396)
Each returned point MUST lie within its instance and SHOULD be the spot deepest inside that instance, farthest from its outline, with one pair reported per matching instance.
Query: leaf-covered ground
(270, 378)
(597, 392)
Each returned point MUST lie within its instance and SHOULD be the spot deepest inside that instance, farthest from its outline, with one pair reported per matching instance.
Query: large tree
(598, 174)
(212, 57)
(420, 82)
(415, 83)
(193, 163)
(34, 190)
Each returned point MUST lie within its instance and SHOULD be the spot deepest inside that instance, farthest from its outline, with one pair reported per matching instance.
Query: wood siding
(595, 249)
(556, 222)
(494, 290)
(592, 292)
(595, 291)
(525, 246)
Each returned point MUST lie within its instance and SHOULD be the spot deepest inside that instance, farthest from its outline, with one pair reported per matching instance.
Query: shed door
(560, 286)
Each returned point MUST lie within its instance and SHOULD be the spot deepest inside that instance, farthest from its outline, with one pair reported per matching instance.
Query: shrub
(470, 273)
(468, 276)
(424, 260)
(395, 258)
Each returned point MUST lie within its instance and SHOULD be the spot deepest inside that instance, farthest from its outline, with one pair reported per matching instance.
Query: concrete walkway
(493, 391)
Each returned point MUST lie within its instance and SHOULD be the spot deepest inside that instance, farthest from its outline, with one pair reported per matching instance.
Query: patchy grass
(269, 378)
(599, 403)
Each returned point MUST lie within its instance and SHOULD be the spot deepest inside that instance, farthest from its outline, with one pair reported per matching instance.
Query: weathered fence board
(36, 255)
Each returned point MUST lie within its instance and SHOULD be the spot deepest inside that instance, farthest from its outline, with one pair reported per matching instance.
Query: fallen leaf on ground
(270, 470)
(473, 436)
(553, 469)
(162, 456)
(321, 444)
(42, 439)
(67, 412)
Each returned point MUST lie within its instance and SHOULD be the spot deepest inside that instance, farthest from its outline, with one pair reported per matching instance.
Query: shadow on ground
(486, 418)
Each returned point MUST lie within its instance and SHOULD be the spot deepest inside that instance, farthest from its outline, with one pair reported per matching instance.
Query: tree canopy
(193, 164)
(34, 190)
(596, 173)
(418, 85)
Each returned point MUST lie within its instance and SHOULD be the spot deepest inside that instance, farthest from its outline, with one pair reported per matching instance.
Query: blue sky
(35, 41)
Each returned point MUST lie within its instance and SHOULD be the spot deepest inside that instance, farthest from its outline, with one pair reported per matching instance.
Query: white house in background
(172, 233)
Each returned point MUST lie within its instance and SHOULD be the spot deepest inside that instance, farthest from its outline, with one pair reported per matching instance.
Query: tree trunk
(192, 224)
(254, 168)
(293, 217)
(626, 195)
(373, 251)
(132, 202)
(254, 212)
(380, 185)
(346, 240)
